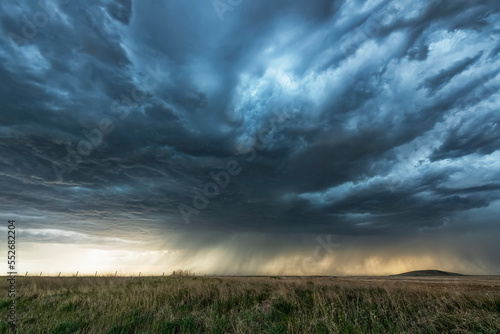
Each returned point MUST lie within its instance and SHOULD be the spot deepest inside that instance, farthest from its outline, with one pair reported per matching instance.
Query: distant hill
(428, 273)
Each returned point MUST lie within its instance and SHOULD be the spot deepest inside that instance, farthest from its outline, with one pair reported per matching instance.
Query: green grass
(120, 305)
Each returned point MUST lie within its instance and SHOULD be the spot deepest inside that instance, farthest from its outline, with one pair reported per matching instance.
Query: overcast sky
(255, 137)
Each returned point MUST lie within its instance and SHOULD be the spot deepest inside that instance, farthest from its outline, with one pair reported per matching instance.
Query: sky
(237, 137)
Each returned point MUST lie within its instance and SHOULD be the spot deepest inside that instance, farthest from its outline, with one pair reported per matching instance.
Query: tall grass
(253, 305)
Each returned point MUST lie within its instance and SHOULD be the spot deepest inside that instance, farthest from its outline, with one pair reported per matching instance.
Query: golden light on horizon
(68, 259)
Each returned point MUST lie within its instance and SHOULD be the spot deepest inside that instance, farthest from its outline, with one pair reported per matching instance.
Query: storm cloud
(185, 126)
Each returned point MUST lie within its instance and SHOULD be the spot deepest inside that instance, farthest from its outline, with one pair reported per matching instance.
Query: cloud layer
(128, 120)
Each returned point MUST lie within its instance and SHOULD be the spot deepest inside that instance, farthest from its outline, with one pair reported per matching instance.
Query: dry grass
(255, 305)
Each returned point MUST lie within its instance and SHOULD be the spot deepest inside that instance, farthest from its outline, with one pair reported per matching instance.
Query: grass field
(469, 304)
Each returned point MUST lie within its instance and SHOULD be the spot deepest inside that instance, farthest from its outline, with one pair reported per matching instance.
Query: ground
(462, 304)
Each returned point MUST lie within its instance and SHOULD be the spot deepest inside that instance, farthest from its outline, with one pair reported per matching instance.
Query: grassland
(255, 305)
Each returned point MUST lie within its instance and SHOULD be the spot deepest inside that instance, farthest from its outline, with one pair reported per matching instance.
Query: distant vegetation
(190, 304)
(182, 273)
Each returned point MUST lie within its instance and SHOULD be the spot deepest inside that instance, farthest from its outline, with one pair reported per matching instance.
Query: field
(468, 304)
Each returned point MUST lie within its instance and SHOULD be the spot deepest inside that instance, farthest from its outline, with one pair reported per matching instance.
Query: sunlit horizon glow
(311, 258)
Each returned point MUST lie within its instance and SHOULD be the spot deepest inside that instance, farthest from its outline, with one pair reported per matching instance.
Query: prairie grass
(116, 305)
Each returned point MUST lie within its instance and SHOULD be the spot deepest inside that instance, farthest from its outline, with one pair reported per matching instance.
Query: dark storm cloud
(444, 76)
(478, 135)
(120, 10)
(392, 109)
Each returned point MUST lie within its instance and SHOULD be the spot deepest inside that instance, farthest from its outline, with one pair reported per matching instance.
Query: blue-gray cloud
(350, 117)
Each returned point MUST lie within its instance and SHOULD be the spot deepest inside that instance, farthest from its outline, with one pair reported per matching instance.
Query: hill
(429, 273)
